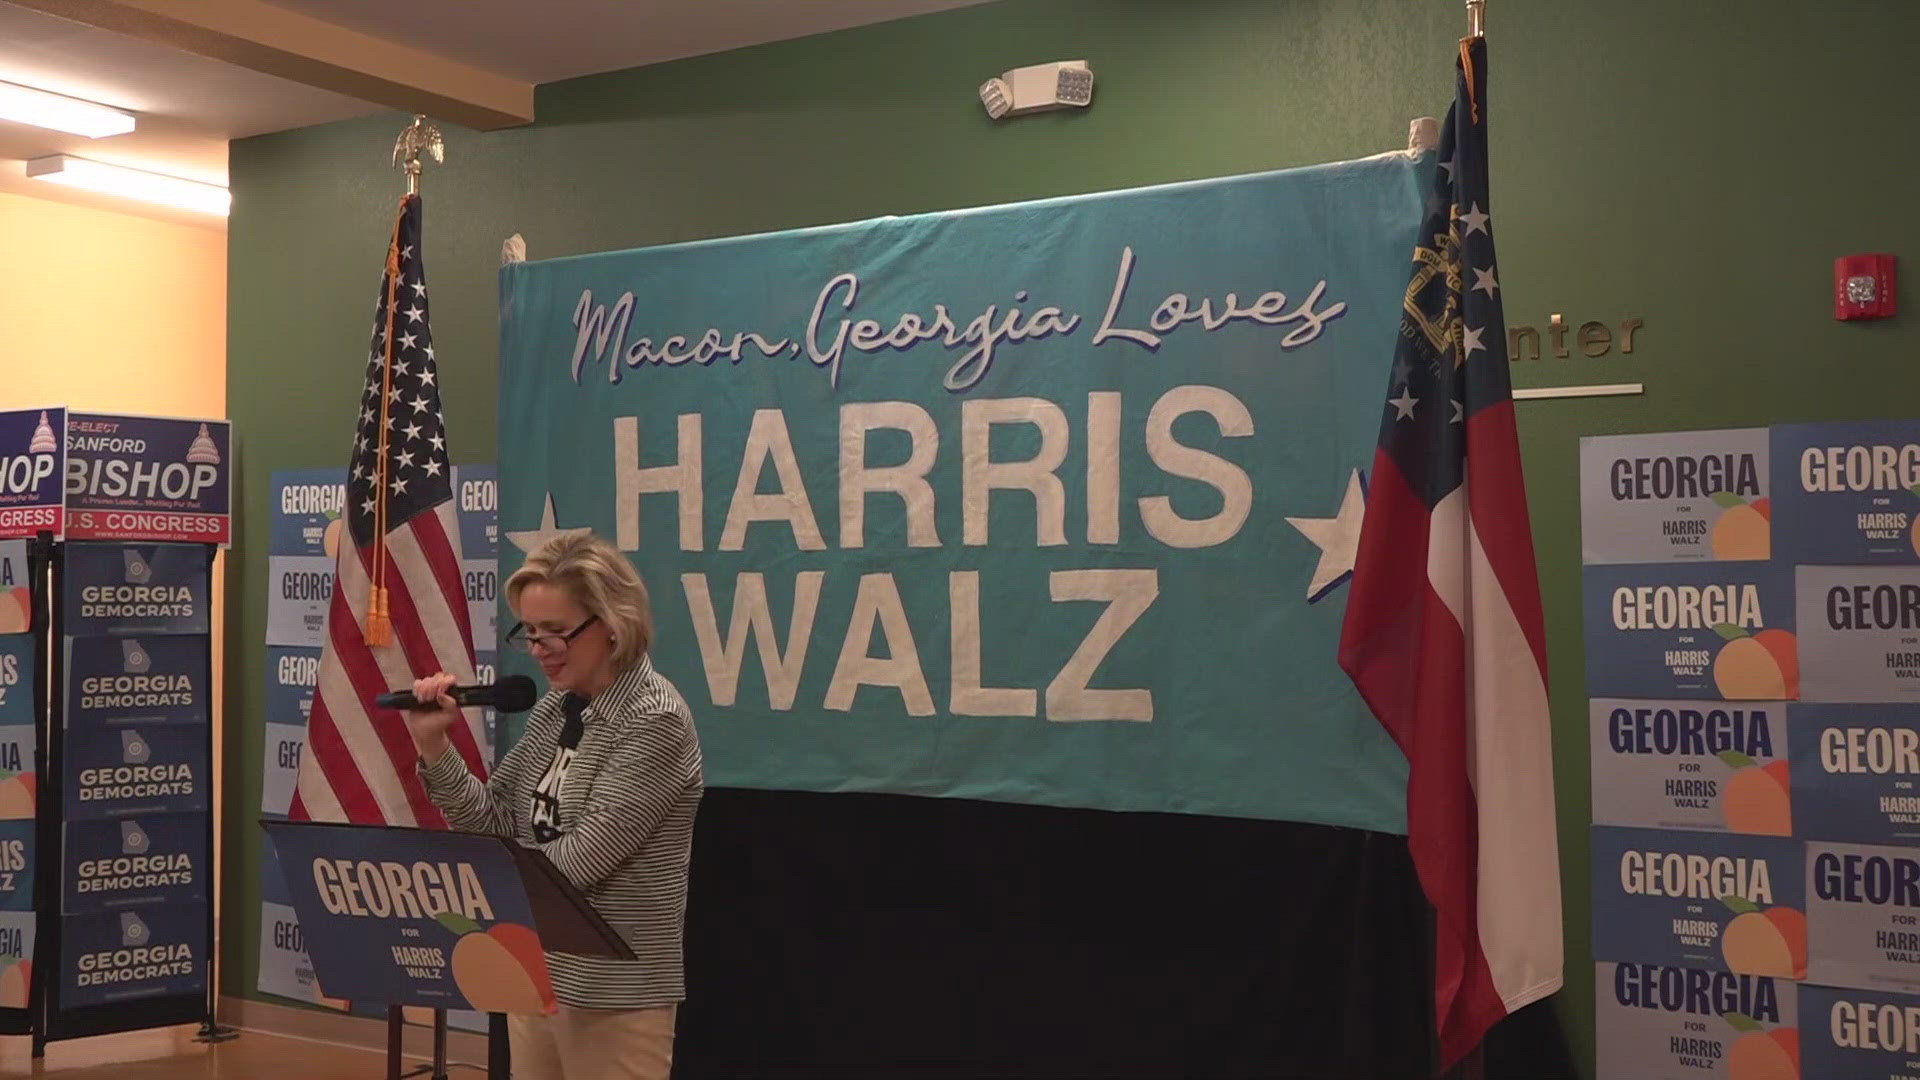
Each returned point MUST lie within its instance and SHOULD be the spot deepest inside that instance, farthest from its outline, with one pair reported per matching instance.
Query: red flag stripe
(426, 632)
(1495, 490)
(384, 754)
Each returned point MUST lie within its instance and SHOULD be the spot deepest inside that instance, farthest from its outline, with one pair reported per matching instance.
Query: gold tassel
(379, 625)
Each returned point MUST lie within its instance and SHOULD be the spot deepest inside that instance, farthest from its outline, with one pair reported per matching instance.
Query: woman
(605, 782)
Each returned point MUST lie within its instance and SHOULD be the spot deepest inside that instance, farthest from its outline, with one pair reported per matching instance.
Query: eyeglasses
(525, 640)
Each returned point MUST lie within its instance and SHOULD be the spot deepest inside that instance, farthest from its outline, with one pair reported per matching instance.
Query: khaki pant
(593, 1044)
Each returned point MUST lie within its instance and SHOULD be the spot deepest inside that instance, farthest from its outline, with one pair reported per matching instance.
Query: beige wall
(110, 311)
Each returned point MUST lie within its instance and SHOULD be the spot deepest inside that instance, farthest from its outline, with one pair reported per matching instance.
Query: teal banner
(1046, 503)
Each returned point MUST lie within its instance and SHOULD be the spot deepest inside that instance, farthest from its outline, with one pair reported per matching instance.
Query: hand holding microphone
(434, 705)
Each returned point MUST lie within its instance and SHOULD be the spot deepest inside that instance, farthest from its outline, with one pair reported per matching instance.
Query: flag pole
(421, 136)
(1476, 18)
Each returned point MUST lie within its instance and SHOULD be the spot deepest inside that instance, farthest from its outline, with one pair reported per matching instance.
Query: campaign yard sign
(127, 772)
(1688, 496)
(1663, 1022)
(1863, 916)
(1713, 630)
(32, 470)
(1856, 768)
(1849, 493)
(149, 478)
(1859, 632)
(125, 590)
(415, 918)
(156, 951)
(115, 682)
(1711, 766)
(157, 859)
(1734, 903)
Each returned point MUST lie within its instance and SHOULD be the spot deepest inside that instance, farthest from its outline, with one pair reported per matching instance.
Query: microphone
(513, 694)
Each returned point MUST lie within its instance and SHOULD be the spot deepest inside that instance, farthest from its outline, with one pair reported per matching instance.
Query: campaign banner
(1722, 631)
(149, 478)
(16, 683)
(1859, 1034)
(16, 589)
(16, 957)
(280, 769)
(1704, 765)
(1856, 768)
(300, 591)
(117, 956)
(16, 864)
(1849, 492)
(1685, 899)
(435, 919)
(146, 681)
(293, 674)
(1859, 633)
(309, 512)
(152, 859)
(1656, 1022)
(135, 772)
(33, 465)
(122, 590)
(285, 969)
(476, 492)
(1685, 496)
(19, 783)
(480, 578)
(925, 503)
(1863, 916)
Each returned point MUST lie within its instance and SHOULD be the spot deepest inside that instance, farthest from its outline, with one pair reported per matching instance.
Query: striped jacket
(626, 820)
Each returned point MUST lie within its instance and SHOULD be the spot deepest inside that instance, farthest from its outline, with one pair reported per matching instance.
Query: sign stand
(122, 632)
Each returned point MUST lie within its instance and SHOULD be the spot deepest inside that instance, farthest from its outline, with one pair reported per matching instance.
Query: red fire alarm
(1863, 287)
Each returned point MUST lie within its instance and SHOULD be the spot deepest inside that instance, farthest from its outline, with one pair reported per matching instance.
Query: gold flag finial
(420, 137)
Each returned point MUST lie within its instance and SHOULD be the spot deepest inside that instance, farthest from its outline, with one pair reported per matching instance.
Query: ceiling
(193, 92)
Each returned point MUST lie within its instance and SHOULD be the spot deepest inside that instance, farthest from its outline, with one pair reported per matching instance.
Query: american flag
(1443, 634)
(398, 610)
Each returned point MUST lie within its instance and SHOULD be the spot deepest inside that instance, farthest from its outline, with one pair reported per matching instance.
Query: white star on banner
(1337, 537)
(1476, 221)
(1404, 404)
(1483, 281)
(529, 539)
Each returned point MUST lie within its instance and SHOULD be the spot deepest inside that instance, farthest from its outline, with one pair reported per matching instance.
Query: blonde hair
(598, 578)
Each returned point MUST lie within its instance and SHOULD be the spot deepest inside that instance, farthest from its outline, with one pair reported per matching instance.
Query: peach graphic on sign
(1745, 531)
(1771, 942)
(330, 540)
(17, 796)
(1758, 799)
(1915, 535)
(1758, 667)
(16, 610)
(14, 984)
(1760, 1054)
(499, 969)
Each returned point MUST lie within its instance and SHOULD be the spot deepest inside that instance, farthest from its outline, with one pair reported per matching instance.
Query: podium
(443, 920)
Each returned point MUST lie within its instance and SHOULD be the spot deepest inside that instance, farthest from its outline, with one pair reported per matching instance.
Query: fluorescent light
(131, 183)
(25, 105)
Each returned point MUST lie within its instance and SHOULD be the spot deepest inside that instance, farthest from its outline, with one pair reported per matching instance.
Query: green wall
(1695, 164)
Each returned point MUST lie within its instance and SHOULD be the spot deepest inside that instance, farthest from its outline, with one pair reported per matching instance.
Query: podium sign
(415, 917)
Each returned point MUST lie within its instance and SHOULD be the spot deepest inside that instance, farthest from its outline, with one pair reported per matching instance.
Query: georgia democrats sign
(1042, 503)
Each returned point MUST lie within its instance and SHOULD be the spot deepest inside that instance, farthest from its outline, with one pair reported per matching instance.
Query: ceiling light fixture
(131, 183)
(41, 108)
